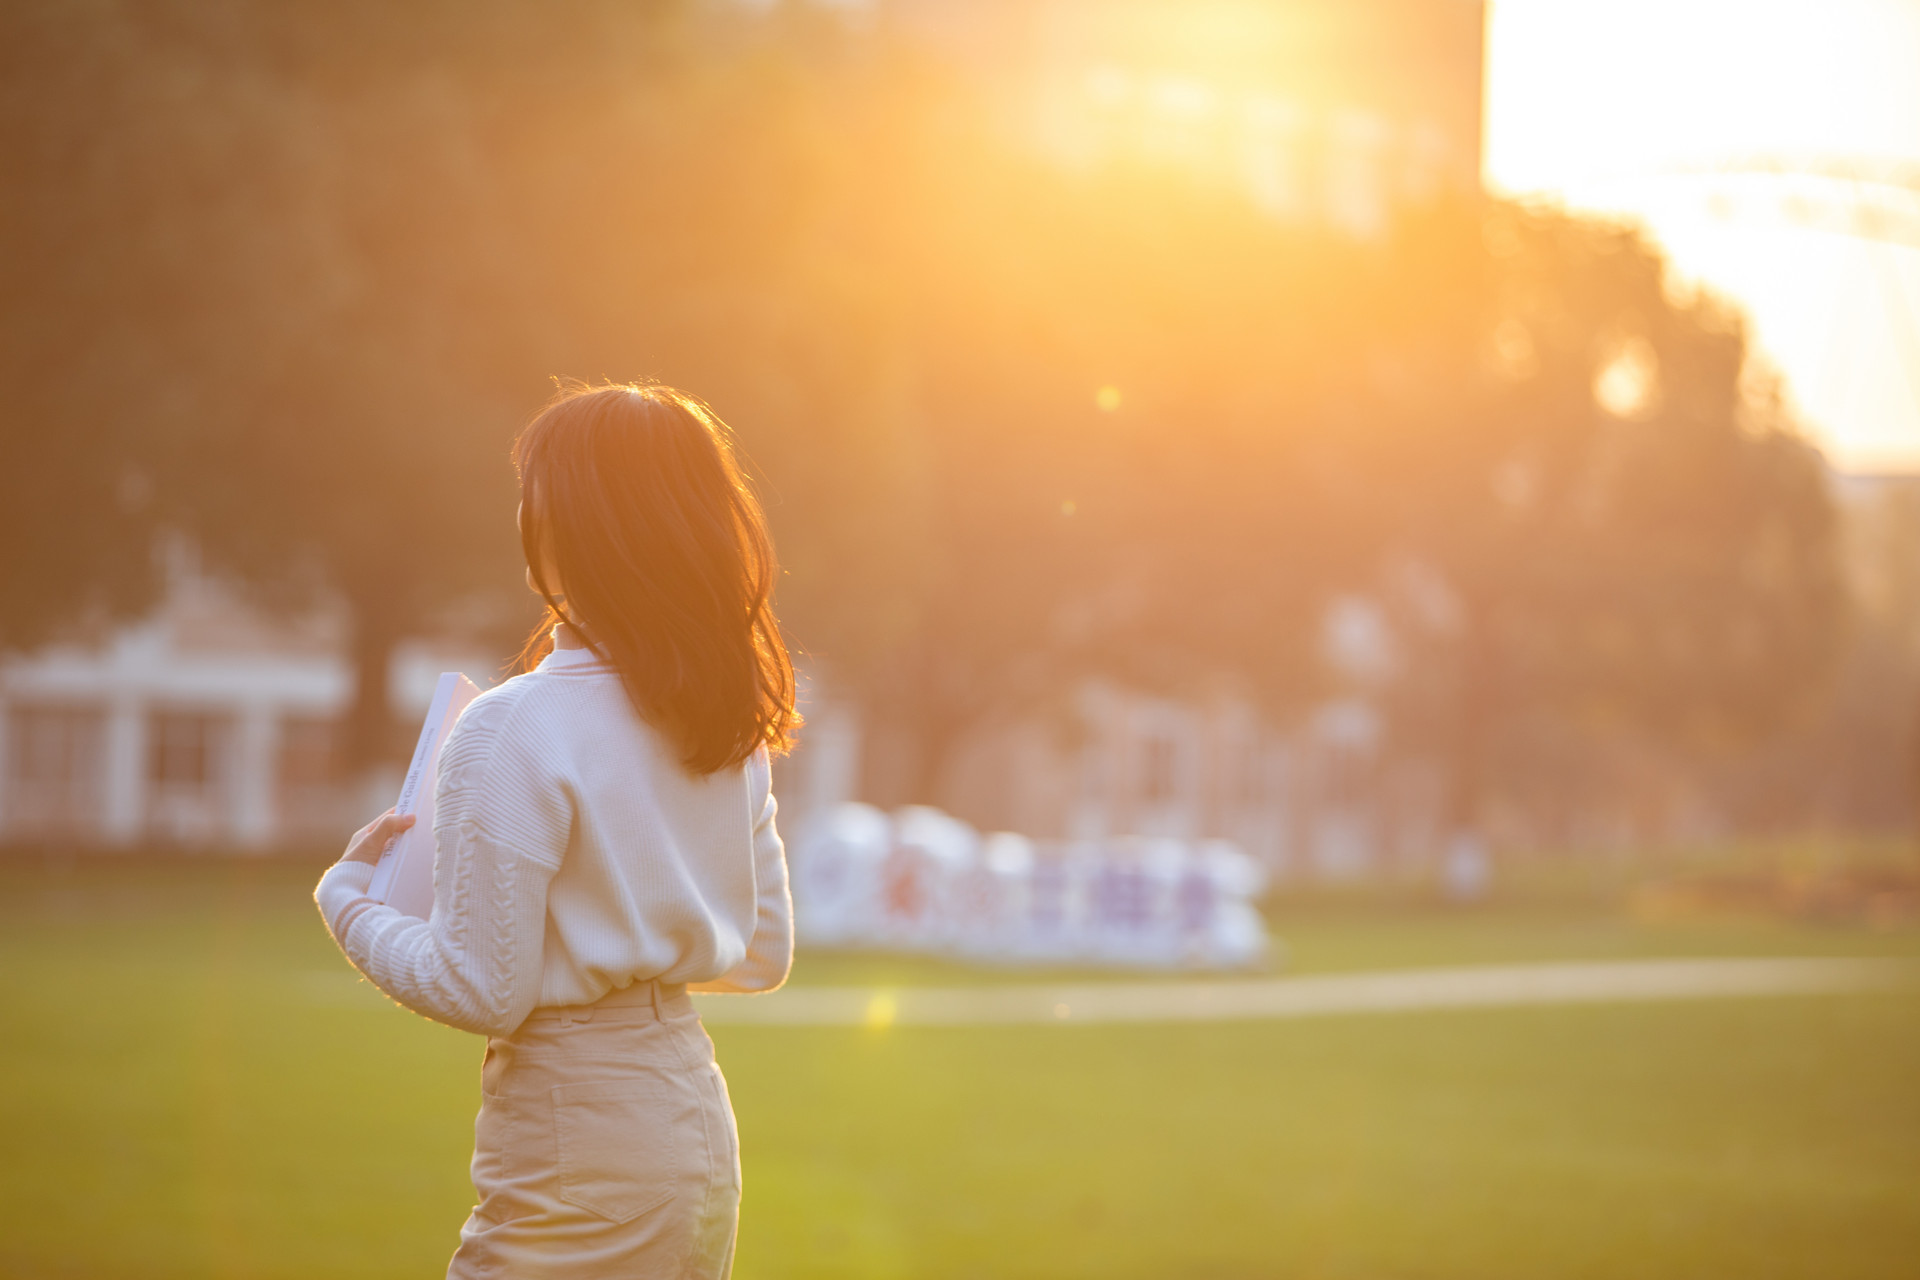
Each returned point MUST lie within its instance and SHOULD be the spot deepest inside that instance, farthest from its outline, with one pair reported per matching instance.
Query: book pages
(403, 878)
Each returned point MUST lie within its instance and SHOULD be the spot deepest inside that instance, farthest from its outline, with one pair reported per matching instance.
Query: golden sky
(1773, 148)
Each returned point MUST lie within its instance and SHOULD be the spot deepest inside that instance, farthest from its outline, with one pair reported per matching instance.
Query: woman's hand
(369, 841)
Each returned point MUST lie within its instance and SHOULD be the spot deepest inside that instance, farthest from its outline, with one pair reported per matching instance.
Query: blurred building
(1336, 113)
(1331, 111)
(213, 724)
(1853, 762)
(208, 724)
(1326, 797)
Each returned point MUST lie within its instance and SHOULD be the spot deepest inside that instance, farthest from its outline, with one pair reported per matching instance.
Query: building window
(1093, 772)
(309, 752)
(1158, 778)
(1346, 774)
(1243, 775)
(183, 750)
(55, 763)
(1253, 778)
(313, 797)
(187, 775)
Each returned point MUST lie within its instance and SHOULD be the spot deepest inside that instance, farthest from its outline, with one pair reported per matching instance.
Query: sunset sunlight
(960, 639)
(1784, 170)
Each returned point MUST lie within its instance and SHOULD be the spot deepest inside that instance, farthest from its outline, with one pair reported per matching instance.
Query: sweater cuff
(344, 884)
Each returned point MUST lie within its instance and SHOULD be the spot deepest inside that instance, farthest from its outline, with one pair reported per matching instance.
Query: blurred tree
(1108, 377)
(76, 498)
(1165, 431)
(285, 276)
(1626, 530)
(264, 300)
(1856, 765)
(288, 275)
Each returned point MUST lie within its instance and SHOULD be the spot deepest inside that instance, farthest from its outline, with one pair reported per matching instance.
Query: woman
(605, 842)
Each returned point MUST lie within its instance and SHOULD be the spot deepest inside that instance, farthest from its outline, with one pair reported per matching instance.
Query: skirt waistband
(660, 999)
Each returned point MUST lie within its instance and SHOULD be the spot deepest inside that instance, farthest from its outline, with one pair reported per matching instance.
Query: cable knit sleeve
(770, 950)
(501, 825)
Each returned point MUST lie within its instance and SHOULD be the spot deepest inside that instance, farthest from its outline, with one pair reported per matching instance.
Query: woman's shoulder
(510, 712)
(491, 708)
(499, 768)
(545, 707)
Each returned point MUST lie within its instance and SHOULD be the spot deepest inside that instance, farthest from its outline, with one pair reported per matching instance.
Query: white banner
(921, 880)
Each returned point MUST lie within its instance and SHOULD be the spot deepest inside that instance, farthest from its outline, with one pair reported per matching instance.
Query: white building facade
(1323, 798)
(207, 725)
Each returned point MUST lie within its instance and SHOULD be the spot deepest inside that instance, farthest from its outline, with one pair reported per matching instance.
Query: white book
(403, 878)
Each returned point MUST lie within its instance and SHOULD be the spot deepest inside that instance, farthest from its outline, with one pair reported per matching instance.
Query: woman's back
(577, 856)
(604, 839)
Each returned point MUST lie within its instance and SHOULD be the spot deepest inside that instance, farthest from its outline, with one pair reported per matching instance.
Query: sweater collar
(567, 658)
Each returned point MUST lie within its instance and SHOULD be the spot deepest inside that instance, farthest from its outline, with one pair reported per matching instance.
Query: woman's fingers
(371, 839)
(386, 827)
(391, 824)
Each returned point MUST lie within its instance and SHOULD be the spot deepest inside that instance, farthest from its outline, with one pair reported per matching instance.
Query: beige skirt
(605, 1147)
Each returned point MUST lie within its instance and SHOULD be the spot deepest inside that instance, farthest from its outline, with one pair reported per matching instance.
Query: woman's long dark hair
(633, 494)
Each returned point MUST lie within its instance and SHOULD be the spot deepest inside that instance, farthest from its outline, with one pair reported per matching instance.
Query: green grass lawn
(189, 1086)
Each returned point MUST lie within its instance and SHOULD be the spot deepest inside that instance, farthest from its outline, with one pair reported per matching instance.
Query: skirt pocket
(625, 1145)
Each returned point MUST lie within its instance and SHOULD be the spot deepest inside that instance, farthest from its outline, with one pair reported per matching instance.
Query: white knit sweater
(574, 856)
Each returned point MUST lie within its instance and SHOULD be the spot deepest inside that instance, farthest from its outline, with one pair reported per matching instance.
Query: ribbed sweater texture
(574, 855)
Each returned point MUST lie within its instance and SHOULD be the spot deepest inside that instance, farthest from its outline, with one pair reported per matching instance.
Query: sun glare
(1628, 384)
(1763, 145)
